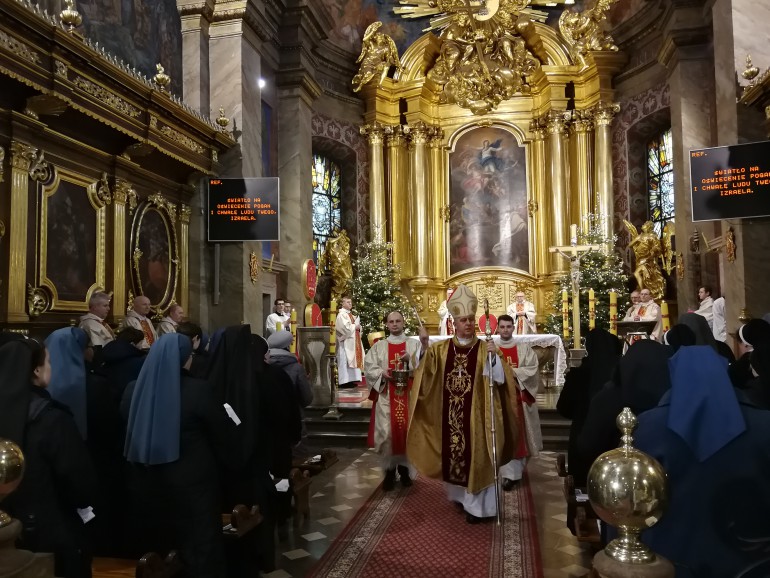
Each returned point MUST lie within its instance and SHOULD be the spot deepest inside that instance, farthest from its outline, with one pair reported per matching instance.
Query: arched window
(327, 209)
(660, 181)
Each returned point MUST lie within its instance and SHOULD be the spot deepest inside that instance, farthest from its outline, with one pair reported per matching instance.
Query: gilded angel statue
(378, 54)
(647, 250)
(583, 31)
(338, 261)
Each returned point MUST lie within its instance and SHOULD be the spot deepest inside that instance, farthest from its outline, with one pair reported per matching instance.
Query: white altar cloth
(533, 340)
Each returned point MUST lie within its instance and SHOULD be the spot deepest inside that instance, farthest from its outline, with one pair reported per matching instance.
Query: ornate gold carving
(44, 104)
(532, 207)
(537, 128)
(130, 302)
(378, 54)
(445, 213)
(418, 305)
(489, 280)
(222, 120)
(254, 269)
(419, 132)
(583, 120)
(70, 17)
(184, 213)
(730, 245)
(122, 191)
(751, 71)
(583, 31)
(18, 48)
(2, 229)
(2, 163)
(110, 99)
(161, 78)
(680, 266)
(492, 291)
(556, 121)
(60, 68)
(433, 303)
(153, 122)
(135, 257)
(41, 170)
(22, 155)
(38, 301)
(183, 140)
(604, 112)
(214, 155)
(374, 133)
(103, 192)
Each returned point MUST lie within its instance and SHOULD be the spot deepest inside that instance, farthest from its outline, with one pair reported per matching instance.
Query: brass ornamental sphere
(628, 490)
(11, 473)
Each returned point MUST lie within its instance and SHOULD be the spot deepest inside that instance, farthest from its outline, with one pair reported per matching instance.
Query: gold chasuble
(450, 436)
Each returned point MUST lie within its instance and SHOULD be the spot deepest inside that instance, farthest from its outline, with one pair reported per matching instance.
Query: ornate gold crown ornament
(70, 17)
(161, 78)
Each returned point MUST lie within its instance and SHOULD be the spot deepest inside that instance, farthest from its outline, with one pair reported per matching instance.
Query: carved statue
(583, 30)
(647, 250)
(378, 54)
(337, 255)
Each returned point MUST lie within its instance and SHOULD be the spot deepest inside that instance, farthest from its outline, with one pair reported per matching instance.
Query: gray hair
(99, 297)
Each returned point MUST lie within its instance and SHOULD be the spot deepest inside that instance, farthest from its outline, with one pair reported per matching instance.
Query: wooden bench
(328, 459)
(150, 565)
(300, 485)
(241, 521)
(580, 514)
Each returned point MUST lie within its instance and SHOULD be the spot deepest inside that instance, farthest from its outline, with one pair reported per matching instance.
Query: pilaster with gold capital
(541, 208)
(556, 125)
(374, 134)
(122, 194)
(399, 223)
(438, 198)
(581, 152)
(418, 134)
(184, 254)
(603, 114)
(22, 156)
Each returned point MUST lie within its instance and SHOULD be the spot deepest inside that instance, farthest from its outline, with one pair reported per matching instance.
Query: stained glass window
(660, 181)
(327, 211)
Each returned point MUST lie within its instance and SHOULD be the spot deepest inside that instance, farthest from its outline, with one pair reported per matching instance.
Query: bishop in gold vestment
(450, 421)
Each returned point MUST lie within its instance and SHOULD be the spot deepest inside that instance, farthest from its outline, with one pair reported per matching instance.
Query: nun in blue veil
(176, 433)
(68, 372)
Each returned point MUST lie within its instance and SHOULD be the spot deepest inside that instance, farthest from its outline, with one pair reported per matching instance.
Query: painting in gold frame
(72, 239)
(154, 251)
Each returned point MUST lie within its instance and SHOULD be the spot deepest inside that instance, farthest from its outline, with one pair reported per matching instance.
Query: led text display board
(243, 209)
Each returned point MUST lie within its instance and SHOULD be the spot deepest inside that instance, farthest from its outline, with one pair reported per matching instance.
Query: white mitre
(462, 303)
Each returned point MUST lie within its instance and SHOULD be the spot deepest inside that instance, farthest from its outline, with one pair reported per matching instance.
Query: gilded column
(399, 223)
(439, 205)
(22, 156)
(184, 254)
(120, 278)
(540, 204)
(582, 127)
(557, 179)
(419, 133)
(374, 134)
(603, 114)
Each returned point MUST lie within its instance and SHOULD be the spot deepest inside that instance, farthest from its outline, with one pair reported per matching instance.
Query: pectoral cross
(574, 252)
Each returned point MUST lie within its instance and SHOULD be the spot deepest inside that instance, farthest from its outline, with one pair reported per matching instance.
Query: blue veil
(68, 372)
(152, 435)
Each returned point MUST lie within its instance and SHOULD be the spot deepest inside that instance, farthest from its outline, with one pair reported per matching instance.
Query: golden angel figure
(378, 54)
(647, 250)
(338, 260)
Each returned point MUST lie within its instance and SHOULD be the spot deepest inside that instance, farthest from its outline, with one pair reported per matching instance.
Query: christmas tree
(376, 288)
(598, 271)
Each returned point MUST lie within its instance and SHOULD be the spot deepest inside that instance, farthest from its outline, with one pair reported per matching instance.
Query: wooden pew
(582, 515)
(150, 565)
(241, 521)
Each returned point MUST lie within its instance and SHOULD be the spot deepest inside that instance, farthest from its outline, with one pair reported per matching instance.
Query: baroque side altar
(487, 138)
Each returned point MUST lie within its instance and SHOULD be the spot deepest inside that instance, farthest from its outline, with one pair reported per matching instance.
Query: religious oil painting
(70, 265)
(488, 202)
(154, 259)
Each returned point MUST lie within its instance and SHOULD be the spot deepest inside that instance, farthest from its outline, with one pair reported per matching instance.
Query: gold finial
(751, 71)
(70, 17)
(222, 120)
(161, 78)
(11, 473)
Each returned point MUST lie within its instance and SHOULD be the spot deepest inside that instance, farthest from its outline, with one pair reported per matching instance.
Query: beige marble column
(235, 65)
(603, 115)
(399, 221)
(374, 135)
(540, 204)
(583, 159)
(419, 134)
(557, 181)
(22, 156)
(438, 210)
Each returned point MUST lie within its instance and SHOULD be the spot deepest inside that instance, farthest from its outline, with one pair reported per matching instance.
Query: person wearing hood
(177, 433)
(750, 335)
(55, 497)
(122, 360)
(713, 445)
(680, 335)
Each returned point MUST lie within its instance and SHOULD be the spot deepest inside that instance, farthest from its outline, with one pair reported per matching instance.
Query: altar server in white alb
(350, 349)
(446, 324)
(391, 402)
(523, 313)
(523, 362)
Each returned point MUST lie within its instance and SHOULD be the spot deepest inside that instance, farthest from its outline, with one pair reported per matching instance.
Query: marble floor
(338, 493)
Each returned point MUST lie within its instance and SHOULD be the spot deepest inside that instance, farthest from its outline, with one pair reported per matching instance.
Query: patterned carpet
(419, 533)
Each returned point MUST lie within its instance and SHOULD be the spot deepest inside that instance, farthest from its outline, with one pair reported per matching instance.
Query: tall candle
(332, 330)
(664, 314)
(565, 314)
(293, 327)
(613, 313)
(573, 234)
(591, 309)
(278, 326)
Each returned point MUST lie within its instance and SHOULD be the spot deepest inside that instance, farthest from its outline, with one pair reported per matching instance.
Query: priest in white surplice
(706, 307)
(391, 403)
(523, 362)
(648, 310)
(523, 313)
(350, 349)
(137, 318)
(173, 317)
(93, 323)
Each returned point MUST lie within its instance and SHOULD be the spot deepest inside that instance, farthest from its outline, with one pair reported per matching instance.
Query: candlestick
(332, 329)
(591, 309)
(613, 313)
(293, 327)
(565, 314)
(666, 323)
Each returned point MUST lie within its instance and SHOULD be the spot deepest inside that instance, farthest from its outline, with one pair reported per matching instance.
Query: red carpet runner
(419, 533)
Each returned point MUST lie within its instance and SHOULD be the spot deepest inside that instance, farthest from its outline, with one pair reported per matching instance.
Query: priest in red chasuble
(524, 364)
(450, 423)
(391, 406)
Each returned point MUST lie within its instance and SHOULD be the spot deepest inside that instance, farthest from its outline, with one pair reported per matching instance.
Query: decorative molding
(103, 192)
(254, 269)
(22, 155)
(122, 191)
(184, 213)
(183, 140)
(18, 48)
(41, 170)
(110, 99)
(38, 301)
(60, 69)
(2, 163)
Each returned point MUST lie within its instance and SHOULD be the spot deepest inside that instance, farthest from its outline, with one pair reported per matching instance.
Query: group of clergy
(438, 421)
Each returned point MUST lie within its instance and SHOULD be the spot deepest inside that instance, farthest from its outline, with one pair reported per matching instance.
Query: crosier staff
(490, 360)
